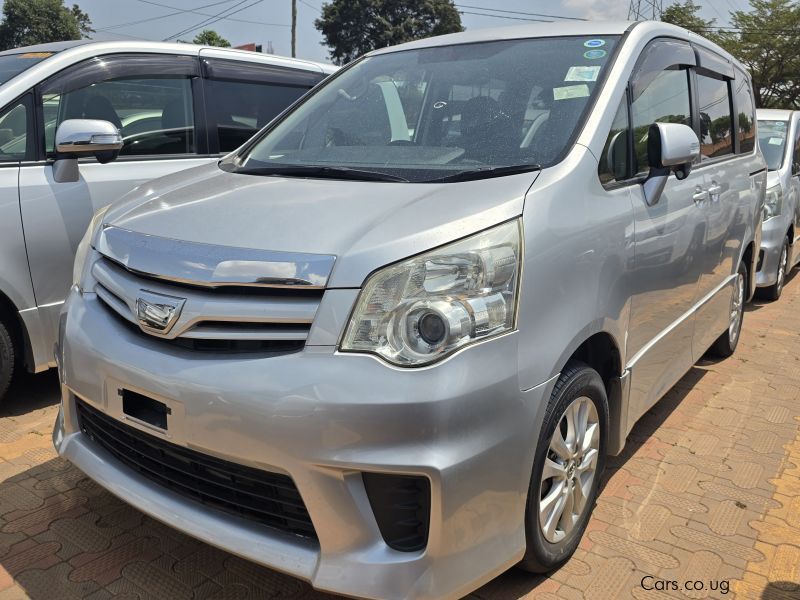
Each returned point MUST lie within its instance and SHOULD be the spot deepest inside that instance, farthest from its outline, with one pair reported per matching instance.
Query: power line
(215, 18)
(177, 12)
(466, 12)
(518, 12)
(319, 10)
(197, 12)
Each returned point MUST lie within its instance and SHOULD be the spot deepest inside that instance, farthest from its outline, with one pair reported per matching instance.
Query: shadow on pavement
(31, 392)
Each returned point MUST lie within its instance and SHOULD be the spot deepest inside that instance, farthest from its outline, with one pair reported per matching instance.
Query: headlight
(773, 202)
(420, 310)
(85, 245)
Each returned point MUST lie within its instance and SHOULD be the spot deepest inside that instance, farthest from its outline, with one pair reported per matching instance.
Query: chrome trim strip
(689, 313)
(207, 265)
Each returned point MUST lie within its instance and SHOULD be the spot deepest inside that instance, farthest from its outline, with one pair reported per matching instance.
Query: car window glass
(430, 113)
(14, 132)
(714, 106)
(664, 100)
(154, 115)
(796, 157)
(772, 142)
(746, 115)
(613, 164)
(239, 110)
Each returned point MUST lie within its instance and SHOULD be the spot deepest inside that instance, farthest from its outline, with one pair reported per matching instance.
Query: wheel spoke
(553, 470)
(567, 512)
(579, 494)
(591, 439)
(550, 509)
(559, 445)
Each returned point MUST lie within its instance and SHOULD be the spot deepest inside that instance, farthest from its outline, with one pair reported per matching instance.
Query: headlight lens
(420, 310)
(773, 202)
(85, 245)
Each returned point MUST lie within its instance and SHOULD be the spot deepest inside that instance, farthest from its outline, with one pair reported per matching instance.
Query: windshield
(772, 141)
(436, 113)
(12, 65)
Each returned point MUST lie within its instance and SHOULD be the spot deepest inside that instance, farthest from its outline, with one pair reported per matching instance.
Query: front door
(152, 103)
(668, 236)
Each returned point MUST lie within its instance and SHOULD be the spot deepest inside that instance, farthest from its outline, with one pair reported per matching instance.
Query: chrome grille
(223, 319)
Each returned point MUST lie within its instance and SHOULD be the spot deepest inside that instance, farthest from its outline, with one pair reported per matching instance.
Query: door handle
(700, 195)
(714, 191)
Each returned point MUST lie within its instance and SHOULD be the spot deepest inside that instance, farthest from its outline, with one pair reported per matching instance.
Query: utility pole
(640, 10)
(294, 28)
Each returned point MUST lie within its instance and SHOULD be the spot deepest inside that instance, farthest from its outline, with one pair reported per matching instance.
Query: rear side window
(665, 99)
(237, 110)
(745, 114)
(714, 106)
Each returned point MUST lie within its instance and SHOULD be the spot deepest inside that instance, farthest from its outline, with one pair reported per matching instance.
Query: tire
(774, 291)
(7, 359)
(546, 550)
(727, 342)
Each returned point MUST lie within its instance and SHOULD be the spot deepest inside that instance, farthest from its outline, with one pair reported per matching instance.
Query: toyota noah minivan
(779, 139)
(387, 345)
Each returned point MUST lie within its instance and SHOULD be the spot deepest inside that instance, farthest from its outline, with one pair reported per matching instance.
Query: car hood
(364, 224)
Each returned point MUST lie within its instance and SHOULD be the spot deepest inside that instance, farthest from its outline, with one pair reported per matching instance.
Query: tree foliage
(209, 37)
(766, 40)
(352, 27)
(685, 15)
(28, 22)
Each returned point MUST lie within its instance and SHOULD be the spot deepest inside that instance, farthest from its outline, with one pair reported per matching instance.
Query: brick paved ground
(708, 489)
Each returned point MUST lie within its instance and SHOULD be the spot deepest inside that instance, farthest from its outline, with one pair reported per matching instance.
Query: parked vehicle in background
(387, 344)
(779, 138)
(175, 105)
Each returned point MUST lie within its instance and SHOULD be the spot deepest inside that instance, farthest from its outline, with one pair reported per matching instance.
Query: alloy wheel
(737, 308)
(782, 269)
(569, 469)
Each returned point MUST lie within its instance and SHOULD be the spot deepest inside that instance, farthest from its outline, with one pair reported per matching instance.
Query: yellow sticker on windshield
(571, 91)
(36, 54)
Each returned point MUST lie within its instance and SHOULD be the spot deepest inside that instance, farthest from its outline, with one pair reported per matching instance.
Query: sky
(262, 21)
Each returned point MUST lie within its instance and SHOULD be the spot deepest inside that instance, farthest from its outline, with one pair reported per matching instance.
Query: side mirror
(671, 148)
(76, 138)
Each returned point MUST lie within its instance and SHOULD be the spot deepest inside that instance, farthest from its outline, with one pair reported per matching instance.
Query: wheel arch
(601, 351)
(9, 314)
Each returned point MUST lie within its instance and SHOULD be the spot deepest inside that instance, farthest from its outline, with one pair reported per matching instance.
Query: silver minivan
(779, 139)
(159, 107)
(387, 345)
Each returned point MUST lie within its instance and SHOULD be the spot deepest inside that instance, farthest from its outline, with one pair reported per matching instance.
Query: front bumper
(323, 419)
(772, 236)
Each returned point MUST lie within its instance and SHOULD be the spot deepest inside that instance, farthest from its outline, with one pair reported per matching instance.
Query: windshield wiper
(485, 173)
(322, 172)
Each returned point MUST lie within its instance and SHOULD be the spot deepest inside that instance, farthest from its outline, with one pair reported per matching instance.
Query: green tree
(766, 41)
(352, 27)
(28, 22)
(684, 14)
(209, 37)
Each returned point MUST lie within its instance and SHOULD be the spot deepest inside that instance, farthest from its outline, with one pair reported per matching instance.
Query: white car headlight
(85, 245)
(773, 202)
(420, 310)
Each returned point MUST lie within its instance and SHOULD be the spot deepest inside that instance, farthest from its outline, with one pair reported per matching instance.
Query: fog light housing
(402, 508)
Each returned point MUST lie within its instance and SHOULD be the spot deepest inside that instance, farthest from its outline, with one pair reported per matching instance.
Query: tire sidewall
(585, 382)
(7, 359)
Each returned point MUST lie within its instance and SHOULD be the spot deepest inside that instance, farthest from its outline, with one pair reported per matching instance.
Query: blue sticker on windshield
(594, 54)
(594, 43)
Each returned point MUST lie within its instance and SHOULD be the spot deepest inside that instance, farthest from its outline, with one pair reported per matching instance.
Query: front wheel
(774, 291)
(727, 342)
(569, 461)
(7, 359)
